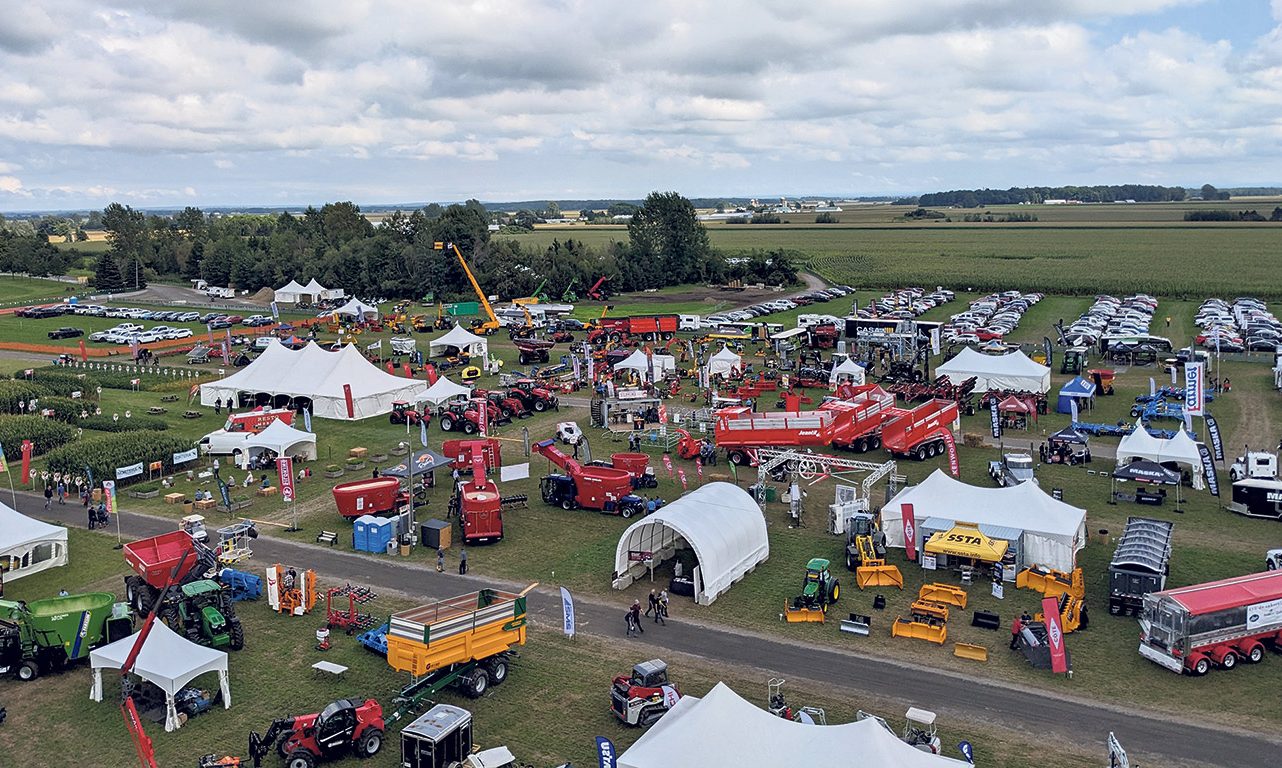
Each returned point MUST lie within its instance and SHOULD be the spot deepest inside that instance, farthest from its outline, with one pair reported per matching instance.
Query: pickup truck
(66, 333)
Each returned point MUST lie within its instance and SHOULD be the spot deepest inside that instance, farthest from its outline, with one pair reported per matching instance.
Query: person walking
(440, 560)
(62, 492)
(48, 496)
(462, 561)
(218, 405)
(1015, 627)
(634, 618)
(653, 605)
(662, 613)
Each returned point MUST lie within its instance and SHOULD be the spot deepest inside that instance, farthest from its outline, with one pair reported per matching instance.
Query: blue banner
(1208, 469)
(605, 753)
(422, 432)
(967, 751)
(307, 419)
(567, 612)
(997, 422)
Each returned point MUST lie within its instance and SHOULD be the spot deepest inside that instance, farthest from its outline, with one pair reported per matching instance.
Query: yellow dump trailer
(459, 630)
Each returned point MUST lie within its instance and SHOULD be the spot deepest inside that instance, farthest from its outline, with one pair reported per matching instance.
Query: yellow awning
(967, 541)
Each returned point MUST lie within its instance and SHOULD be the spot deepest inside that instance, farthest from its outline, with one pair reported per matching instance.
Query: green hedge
(105, 423)
(45, 434)
(63, 380)
(103, 454)
(14, 392)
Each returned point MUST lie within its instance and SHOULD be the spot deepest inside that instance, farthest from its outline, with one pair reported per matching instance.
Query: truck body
(646, 327)
(1218, 623)
(480, 506)
(1140, 564)
(458, 630)
(1255, 465)
(919, 433)
(47, 634)
(1013, 469)
(459, 452)
(1257, 498)
(198, 607)
(239, 427)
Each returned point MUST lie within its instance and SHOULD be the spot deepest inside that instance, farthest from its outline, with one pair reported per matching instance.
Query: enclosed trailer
(1140, 564)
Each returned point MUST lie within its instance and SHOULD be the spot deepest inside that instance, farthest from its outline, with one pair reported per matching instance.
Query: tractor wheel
(447, 424)
(507, 412)
(540, 406)
(1229, 661)
(300, 758)
(469, 428)
(628, 510)
(548, 493)
(237, 634)
(851, 562)
(497, 670)
(525, 360)
(476, 684)
(834, 593)
(28, 670)
(738, 458)
(370, 742)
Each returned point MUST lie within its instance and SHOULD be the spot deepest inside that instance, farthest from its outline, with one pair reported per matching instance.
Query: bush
(14, 392)
(105, 423)
(827, 218)
(45, 435)
(63, 380)
(103, 454)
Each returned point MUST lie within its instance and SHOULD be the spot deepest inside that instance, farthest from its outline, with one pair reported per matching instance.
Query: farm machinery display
(1140, 564)
(343, 727)
(606, 489)
(645, 695)
(371, 496)
(442, 738)
(866, 553)
(819, 591)
(533, 350)
(45, 635)
(196, 607)
(533, 395)
(1068, 588)
(478, 502)
(406, 413)
(504, 404)
(349, 619)
(627, 330)
(919, 433)
(466, 417)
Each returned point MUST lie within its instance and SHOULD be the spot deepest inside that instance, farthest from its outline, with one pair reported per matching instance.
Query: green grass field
(20, 290)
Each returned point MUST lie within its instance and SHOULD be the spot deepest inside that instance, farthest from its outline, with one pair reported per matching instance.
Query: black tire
(1270, 565)
(861, 445)
(476, 684)
(628, 510)
(447, 424)
(497, 669)
(1255, 655)
(920, 453)
(370, 742)
(469, 428)
(1229, 661)
(851, 562)
(524, 359)
(567, 503)
(1202, 666)
(874, 443)
(300, 758)
(540, 406)
(738, 458)
(27, 671)
(237, 635)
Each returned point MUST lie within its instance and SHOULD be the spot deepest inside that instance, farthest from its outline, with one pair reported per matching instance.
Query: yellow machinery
(462, 629)
(943, 593)
(290, 590)
(970, 651)
(866, 552)
(926, 621)
(489, 326)
(1068, 588)
(818, 592)
(927, 609)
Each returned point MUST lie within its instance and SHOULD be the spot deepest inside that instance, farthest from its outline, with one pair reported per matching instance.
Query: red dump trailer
(919, 433)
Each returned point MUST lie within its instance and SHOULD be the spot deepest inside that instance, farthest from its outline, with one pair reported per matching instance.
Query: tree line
(973, 198)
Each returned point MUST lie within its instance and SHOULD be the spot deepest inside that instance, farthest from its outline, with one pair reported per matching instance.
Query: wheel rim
(1229, 661)
(1257, 653)
(1202, 666)
(373, 744)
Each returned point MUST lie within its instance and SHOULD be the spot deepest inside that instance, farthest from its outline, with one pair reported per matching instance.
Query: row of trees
(973, 198)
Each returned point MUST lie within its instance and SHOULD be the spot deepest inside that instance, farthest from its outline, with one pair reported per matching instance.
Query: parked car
(188, 317)
(66, 333)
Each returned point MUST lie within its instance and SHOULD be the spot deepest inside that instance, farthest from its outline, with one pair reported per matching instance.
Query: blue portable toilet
(360, 532)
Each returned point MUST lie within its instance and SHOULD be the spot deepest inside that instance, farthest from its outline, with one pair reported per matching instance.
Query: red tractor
(532, 350)
(644, 696)
(510, 407)
(403, 412)
(343, 726)
(534, 396)
(466, 417)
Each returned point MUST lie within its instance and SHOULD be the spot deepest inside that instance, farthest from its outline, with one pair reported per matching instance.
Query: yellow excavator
(484, 327)
(866, 554)
(1068, 588)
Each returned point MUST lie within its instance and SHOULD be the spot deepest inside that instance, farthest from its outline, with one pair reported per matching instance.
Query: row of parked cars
(780, 305)
(990, 318)
(128, 333)
(905, 304)
(1245, 325)
(1130, 316)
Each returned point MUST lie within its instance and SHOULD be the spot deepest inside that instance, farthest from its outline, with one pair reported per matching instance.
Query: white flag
(567, 611)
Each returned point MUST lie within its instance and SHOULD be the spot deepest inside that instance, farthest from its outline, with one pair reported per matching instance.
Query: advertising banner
(953, 465)
(1194, 392)
(1055, 635)
(1208, 469)
(109, 495)
(1217, 443)
(285, 473)
(567, 612)
(997, 421)
(132, 470)
(910, 532)
(185, 456)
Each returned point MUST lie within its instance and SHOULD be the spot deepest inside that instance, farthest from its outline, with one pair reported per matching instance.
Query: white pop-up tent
(320, 376)
(444, 390)
(719, 521)
(358, 309)
(289, 293)
(1053, 531)
(462, 339)
(725, 363)
(640, 362)
(849, 372)
(168, 661)
(1014, 370)
(28, 545)
(283, 440)
(723, 724)
(1179, 450)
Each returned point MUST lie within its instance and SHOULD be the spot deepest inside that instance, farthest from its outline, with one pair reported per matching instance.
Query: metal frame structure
(816, 466)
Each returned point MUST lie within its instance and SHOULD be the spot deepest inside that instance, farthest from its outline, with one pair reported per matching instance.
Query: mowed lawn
(15, 289)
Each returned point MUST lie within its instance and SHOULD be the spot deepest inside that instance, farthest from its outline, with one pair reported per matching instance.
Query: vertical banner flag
(1055, 635)
(967, 751)
(1194, 392)
(3, 466)
(307, 419)
(567, 612)
(109, 495)
(1217, 444)
(1152, 387)
(285, 471)
(275, 312)
(663, 415)
(667, 464)
(26, 462)
(84, 353)
(953, 466)
(1072, 408)
(209, 329)
(482, 414)
(228, 331)
(605, 753)
(347, 395)
(1048, 350)
(698, 467)
(910, 532)
(1174, 372)
(422, 432)
(226, 354)
(681, 475)
(225, 492)
(997, 421)
(1208, 469)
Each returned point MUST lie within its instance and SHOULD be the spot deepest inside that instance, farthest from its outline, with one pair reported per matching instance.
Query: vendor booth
(444, 390)
(460, 339)
(28, 545)
(1067, 446)
(1014, 371)
(359, 310)
(289, 293)
(280, 439)
(1174, 452)
(647, 367)
(1079, 390)
(971, 549)
(1151, 481)
(1014, 413)
(725, 363)
(848, 372)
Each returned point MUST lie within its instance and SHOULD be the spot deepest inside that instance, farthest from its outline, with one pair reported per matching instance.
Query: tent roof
(1145, 543)
(738, 732)
(1078, 387)
(314, 287)
(167, 659)
(18, 530)
(1069, 435)
(425, 460)
(1013, 370)
(443, 390)
(1014, 404)
(971, 543)
(356, 307)
(1140, 444)
(636, 361)
(291, 287)
(279, 436)
(725, 354)
(458, 336)
(1147, 472)
(1024, 506)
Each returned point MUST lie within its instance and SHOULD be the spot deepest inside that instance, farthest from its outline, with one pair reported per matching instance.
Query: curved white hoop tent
(166, 660)
(462, 339)
(1010, 371)
(719, 521)
(28, 545)
(1179, 449)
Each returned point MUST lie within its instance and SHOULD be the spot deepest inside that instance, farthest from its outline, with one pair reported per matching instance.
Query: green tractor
(202, 612)
(819, 591)
(1074, 361)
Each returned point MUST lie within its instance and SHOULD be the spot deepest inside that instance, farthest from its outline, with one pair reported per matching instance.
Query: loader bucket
(970, 651)
(802, 615)
(937, 633)
(943, 593)
(878, 576)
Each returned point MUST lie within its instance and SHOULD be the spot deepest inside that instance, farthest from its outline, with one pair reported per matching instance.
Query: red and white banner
(109, 495)
(681, 475)
(481, 415)
(910, 532)
(347, 395)
(667, 464)
(26, 462)
(285, 473)
(430, 371)
(1055, 635)
(663, 414)
(953, 466)
(698, 467)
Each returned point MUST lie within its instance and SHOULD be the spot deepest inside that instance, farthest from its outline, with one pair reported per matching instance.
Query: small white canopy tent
(463, 339)
(849, 372)
(28, 545)
(168, 661)
(283, 440)
(358, 309)
(1053, 531)
(1179, 449)
(444, 390)
(1010, 371)
(724, 363)
(316, 292)
(640, 362)
(725, 725)
(719, 521)
(289, 293)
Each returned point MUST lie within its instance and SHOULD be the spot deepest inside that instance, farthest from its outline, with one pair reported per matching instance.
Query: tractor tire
(476, 684)
(540, 406)
(237, 635)
(447, 424)
(834, 593)
(370, 742)
(851, 562)
(469, 428)
(497, 669)
(300, 758)
(525, 360)
(628, 510)
(28, 671)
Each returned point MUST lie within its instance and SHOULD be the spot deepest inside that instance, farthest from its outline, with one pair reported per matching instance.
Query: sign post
(109, 496)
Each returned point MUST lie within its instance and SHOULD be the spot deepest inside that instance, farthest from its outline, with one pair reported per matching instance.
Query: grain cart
(919, 432)
(198, 607)
(45, 635)
(607, 489)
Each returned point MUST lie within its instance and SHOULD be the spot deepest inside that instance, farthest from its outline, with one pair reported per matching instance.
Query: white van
(689, 322)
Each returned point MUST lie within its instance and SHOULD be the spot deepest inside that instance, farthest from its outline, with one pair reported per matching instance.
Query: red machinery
(638, 466)
(479, 504)
(850, 424)
(534, 395)
(467, 416)
(370, 497)
(533, 350)
(644, 696)
(257, 420)
(403, 412)
(643, 327)
(459, 452)
(341, 727)
(504, 404)
(823, 336)
(919, 432)
(603, 488)
(598, 291)
(349, 620)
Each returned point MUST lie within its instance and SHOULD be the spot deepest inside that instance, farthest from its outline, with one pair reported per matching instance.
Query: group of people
(462, 560)
(658, 608)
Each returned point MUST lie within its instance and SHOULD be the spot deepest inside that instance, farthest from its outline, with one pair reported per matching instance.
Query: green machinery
(818, 591)
(1074, 361)
(201, 611)
(569, 296)
(45, 635)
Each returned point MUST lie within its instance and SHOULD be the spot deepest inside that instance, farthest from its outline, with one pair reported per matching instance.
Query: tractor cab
(403, 413)
(335, 724)
(644, 696)
(649, 674)
(1074, 361)
(817, 579)
(861, 525)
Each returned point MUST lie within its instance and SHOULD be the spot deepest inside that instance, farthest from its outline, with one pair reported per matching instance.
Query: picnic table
(330, 667)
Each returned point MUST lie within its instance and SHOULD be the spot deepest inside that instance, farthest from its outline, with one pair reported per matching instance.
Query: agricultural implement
(196, 607)
(350, 620)
(943, 594)
(866, 553)
(1068, 588)
(819, 591)
(926, 621)
(290, 590)
(45, 635)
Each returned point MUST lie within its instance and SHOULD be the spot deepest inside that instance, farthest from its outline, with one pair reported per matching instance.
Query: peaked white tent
(168, 661)
(358, 309)
(1179, 449)
(719, 521)
(313, 373)
(724, 363)
(1014, 370)
(289, 293)
(283, 440)
(463, 339)
(28, 545)
(444, 390)
(1053, 531)
(849, 372)
(728, 729)
(640, 362)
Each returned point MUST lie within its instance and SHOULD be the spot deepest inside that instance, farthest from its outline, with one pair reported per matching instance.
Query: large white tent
(283, 440)
(641, 362)
(1179, 449)
(461, 338)
(719, 521)
(320, 292)
(849, 372)
(722, 728)
(358, 309)
(1014, 370)
(28, 545)
(289, 293)
(313, 373)
(168, 661)
(444, 390)
(724, 363)
(1053, 531)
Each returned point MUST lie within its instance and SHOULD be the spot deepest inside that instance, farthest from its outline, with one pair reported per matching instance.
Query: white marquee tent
(640, 362)
(358, 309)
(1179, 449)
(719, 521)
(313, 373)
(444, 390)
(166, 660)
(1014, 370)
(724, 363)
(28, 545)
(722, 728)
(289, 293)
(283, 440)
(1053, 531)
(319, 292)
(849, 372)
(463, 339)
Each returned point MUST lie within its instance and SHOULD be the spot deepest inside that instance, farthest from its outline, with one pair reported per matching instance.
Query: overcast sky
(193, 102)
